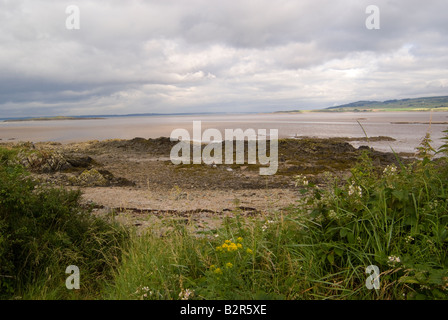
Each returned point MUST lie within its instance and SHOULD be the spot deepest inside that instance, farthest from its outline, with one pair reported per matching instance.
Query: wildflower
(249, 251)
(332, 215)
(392, 260)
(239, 239)
(229, 265)
(409, 239)
(265, 226)
(390, 170)
(239, 245)
(212, 267)
(354, 190)
(185, 294)
(218, 271)
(232, 247)
(301, 180)
(227, 241)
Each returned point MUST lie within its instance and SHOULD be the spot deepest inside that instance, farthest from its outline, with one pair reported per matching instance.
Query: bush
(43, 230)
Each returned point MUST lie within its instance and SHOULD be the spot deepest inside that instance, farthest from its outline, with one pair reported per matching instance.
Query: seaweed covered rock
(90, 178)
(98, 178)
(42, 161)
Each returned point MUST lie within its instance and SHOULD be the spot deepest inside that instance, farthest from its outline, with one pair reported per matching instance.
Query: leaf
(339, 252)
(408, 279)
(436, 276)
(439, 294)
(315, 213)
(350, 238)
(401, 195)
(330, 257)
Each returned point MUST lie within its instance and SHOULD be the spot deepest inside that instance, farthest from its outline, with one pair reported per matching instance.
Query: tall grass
(395, 218)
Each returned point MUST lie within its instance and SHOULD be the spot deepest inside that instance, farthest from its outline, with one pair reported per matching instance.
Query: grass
(394, 218)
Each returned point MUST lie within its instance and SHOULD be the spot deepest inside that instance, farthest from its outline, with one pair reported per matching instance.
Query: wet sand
(407, 128)
(136, 180)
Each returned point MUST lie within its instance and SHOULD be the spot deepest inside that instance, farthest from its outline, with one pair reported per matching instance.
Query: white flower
(390, 170)
(301, 180)
(332, 214)
(354, 190)
(393, 260)
(266, 224)
(409, 239)
(185, 294)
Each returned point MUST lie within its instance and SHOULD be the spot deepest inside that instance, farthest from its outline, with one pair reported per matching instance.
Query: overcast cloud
(227, 56)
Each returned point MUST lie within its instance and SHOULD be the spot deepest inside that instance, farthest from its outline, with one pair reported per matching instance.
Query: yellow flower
(239, 245)
(227, 241)
(212, 267)
(218, 271)
(229, 265)
(249, 251)
(219, 248)
(239, 239)
(232, 247)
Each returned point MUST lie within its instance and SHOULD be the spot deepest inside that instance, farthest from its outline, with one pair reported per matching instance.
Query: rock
(43, 162)
(90, 178)
(80, 162)
(99, 178)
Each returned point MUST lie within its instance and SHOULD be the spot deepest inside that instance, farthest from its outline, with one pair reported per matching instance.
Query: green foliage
(44, 230)
(444, 148)
(425, 150)
(396, 219)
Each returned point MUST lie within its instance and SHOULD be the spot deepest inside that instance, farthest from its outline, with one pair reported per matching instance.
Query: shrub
(43, 230)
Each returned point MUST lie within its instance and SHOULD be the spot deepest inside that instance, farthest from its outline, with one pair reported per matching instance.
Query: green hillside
(416, 104)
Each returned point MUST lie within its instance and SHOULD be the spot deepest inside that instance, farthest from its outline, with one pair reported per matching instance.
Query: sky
(135, 56)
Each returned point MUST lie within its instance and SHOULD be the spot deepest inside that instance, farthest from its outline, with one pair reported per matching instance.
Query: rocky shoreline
(136, 181)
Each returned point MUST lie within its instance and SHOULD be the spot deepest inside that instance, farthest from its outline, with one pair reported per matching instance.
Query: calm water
(407, 136)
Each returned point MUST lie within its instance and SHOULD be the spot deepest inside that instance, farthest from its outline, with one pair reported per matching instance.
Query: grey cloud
(151, 56)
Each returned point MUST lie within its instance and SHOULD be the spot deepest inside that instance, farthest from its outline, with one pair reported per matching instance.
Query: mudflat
(135, 180)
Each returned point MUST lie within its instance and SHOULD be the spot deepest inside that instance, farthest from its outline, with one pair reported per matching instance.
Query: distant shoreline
(52, 119)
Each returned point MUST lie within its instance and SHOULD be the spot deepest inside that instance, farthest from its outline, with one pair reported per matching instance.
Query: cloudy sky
(134, 56)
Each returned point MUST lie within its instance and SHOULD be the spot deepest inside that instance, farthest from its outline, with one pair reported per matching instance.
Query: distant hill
(415, 104)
